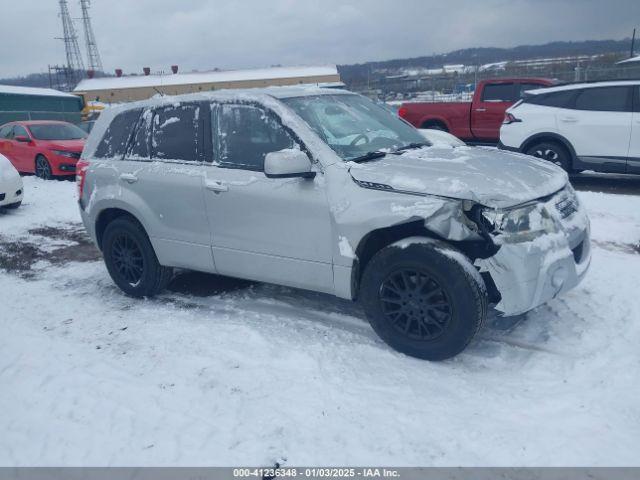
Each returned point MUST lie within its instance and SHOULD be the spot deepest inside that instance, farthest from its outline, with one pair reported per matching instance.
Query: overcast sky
(204, 34)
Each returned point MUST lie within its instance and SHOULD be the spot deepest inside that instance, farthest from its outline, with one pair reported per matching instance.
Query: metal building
(25, 103)
(139, 87)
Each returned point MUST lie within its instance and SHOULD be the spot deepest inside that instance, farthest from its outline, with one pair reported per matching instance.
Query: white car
(587, 126)
(11, 188)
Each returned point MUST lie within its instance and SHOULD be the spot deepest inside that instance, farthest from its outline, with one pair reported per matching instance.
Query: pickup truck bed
(478, 120)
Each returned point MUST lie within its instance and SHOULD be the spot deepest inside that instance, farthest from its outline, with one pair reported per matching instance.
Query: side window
(246, 134)
(116, 138)
(605, 99)
(139, 149)
(499, 92)
(5, 132)
(176, 133)
(19, 131)
(561, 99)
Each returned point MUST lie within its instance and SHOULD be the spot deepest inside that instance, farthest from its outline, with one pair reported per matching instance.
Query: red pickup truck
(478, 120)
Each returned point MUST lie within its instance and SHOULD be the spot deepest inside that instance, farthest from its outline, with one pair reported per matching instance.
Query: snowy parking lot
(224, 372)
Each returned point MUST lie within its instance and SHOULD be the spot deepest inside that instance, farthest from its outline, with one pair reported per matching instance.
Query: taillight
(81, 173)
(510, 118)
(402, 112)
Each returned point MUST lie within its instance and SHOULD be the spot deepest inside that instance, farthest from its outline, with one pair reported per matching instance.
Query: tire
(43, 168)
(552, 152)
(435, 126)
(131, 260)
(447, 307)
(13, 206)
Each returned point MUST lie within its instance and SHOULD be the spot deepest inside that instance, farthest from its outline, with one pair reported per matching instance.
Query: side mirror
(287, 164)
(22, 139)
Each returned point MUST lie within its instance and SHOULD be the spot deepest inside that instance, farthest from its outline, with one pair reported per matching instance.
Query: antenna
(72, 50)
(93, 55)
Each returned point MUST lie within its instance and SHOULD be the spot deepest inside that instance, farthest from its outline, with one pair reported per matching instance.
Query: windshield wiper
(369, 156)
(412, 146)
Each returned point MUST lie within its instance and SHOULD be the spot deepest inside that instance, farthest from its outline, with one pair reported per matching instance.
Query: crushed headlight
(520, 224)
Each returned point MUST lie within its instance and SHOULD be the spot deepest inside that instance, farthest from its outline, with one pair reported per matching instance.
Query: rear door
(487, 113)
(162, 174)
(633, 165)
(598, 126)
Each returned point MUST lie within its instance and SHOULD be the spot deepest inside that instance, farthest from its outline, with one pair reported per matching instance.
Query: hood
(69, 145)
(487, 176)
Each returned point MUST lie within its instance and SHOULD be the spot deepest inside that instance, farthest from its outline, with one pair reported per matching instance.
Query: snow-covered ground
(220, 372)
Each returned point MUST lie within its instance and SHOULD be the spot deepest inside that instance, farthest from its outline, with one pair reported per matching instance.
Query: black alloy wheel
(415, 304)
(128, 258)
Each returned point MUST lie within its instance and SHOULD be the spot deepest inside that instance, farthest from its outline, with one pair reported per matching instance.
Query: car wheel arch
(377, 239)
(434, 121)
(550, 137)
(108, 215)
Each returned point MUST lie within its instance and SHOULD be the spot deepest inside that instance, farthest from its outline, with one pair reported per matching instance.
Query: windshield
(354, 126)
(57, 131)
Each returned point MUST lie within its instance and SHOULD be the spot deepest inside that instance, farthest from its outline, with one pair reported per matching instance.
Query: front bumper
(11, 192)
(529, 274)
(61, 165)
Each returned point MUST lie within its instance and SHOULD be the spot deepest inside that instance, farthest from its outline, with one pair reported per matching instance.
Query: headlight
(64, 153)
(519, 224)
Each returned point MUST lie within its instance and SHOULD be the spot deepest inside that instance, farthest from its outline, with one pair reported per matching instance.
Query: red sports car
(46, 148)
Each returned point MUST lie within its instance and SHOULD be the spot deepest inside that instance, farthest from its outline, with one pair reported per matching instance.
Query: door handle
(481, 109)
(128, 177)
(569, 119)
(216, 186)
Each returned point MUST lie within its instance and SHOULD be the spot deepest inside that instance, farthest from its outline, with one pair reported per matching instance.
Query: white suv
(588, 126)
(326, 191)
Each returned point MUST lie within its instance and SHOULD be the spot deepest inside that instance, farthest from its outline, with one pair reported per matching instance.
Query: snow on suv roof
(576, 86)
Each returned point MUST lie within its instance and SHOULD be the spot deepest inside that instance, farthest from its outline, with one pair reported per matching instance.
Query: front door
(487, 114)
(22, 153)
(599, 127)
(276, 230)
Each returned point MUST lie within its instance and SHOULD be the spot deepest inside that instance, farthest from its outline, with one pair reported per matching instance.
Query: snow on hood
(490, 177)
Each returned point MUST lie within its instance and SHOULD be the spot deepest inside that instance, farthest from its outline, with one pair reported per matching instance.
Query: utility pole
(93, 55)
(633, 42)
(75, 65)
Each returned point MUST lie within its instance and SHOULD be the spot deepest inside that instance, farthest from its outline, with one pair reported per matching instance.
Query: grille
(567, 204)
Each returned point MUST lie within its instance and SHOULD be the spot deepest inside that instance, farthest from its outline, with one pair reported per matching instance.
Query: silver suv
(326, 191)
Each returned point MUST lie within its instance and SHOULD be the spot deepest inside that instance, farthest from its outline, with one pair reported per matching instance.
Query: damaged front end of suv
(527, 252)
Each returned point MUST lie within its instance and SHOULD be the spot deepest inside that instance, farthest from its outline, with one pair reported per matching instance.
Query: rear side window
(605, 99)
(176, 133)
(116, 138)
(500, 92)
(562, 99)
(246, 134)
